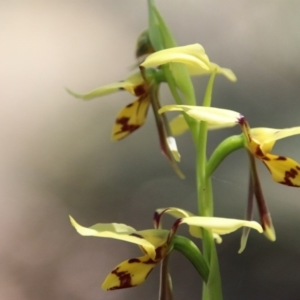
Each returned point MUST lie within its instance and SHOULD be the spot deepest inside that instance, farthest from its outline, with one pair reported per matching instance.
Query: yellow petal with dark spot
(130, 118)
(129, 273)
(283, 169)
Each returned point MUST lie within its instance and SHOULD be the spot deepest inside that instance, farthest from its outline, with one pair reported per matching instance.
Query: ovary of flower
(260, 142)
(193, 56)
(154, 243)
(216, 118)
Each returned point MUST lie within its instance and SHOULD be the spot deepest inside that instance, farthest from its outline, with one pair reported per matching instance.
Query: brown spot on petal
(136, 235)
(125, 127)
(133, 260)
(149, 262)
(258, 152)
(124, 278)
(291, 174)
(266, 158)
(281, 158)
(139, 90)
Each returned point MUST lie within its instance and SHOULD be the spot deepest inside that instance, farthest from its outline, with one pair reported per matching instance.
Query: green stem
(226, 147)
(187, 247)
(212, 290)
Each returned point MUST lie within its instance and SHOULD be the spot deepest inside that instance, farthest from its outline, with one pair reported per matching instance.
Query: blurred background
(57, 158)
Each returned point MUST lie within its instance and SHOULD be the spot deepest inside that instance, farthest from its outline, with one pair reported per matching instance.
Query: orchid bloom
(133, 116)
(259, 143)
(155, 244)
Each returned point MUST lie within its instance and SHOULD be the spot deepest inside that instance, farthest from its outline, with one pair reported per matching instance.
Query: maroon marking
(136, 235)
(177, 223)
(242, 120)
(129, 105)
(292, 173)
(266, 221)
(125, 126)
(124, 278)
(156, 219)
(160, 253)
(149, 262)
(259, 152)
(133, 260)
(174, 229)
(139, 90)
(298, 168)
(281, 158)
(137, 260)
(266, 158)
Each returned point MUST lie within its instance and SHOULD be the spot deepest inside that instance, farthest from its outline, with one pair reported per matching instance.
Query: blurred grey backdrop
(57, 158)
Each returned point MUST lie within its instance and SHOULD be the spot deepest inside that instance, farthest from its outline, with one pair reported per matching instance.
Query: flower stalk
(159, 61)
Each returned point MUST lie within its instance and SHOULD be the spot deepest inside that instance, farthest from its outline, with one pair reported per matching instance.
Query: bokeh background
(57, 158)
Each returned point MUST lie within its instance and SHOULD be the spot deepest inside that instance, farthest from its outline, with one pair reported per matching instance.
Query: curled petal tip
(269, 232)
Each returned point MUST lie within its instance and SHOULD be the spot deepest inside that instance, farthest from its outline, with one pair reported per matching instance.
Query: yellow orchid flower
(284, 170)
(260, 141)
(133, 115)
(193, 56)
(155, 244)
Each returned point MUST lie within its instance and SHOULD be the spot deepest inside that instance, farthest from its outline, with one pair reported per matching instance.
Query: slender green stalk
(226, 147)
(212, 290)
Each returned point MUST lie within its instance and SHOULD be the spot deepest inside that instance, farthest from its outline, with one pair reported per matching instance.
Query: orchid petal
(131, 118)
(267, 137)
(194, 231)
(220, 225)
(101, 91)
(213, 116)
(129, 84)
(193, 70)
(156, 237)
(193, 55)
(129, 273)
(284, 170)
(116, 231)
(178, 125)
